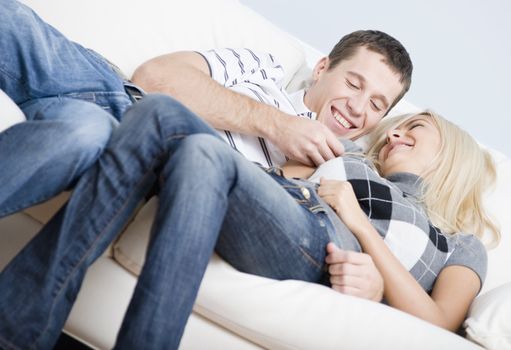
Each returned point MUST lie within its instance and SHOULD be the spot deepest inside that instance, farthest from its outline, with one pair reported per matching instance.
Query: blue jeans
(206, 189)
(72, 99)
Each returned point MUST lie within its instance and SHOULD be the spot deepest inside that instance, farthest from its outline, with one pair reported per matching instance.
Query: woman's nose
(393, 134)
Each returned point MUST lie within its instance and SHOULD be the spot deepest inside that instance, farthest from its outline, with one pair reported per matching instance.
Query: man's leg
(38, 288)
(45, 155)
(37, 61)
(207, 188)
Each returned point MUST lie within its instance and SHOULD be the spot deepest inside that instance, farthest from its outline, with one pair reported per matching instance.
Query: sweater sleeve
(469, 252)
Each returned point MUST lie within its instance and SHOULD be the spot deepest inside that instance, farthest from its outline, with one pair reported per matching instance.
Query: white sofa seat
(236, 310)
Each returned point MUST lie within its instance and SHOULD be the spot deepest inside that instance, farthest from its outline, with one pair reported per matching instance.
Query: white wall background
(461, 50)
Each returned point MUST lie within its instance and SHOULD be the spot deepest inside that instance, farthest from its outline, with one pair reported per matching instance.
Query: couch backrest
(129, 32)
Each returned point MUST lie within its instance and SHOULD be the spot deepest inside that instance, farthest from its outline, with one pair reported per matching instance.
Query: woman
(210, 197)
(438, 199)
(417, 207)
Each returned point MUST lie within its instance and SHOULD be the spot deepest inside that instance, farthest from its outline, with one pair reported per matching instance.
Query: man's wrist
(271, 126)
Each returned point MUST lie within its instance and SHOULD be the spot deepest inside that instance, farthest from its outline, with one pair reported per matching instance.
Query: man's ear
(320, 68)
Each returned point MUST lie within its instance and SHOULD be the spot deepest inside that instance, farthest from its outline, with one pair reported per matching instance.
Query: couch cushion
(314, 316)
(299, 315)
(116, 32)
(10, 114)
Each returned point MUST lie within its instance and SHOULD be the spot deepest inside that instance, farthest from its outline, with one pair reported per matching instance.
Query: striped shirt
(259, 76)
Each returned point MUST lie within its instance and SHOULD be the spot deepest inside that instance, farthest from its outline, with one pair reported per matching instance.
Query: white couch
(235, 310)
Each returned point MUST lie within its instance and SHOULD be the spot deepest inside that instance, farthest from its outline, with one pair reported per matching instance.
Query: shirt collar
(409, 184)
(296, 99)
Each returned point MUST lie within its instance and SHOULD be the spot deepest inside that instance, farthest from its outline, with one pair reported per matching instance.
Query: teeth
(342, 121)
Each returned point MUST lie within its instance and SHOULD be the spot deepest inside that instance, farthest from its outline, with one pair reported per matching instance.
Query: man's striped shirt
(259, 76)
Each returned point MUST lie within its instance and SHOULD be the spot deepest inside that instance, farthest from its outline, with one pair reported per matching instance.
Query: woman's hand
(354, 273)
(351, 273)
(340, 196)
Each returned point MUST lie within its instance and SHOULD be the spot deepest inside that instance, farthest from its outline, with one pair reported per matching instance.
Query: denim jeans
(266, 226)
(71, 98)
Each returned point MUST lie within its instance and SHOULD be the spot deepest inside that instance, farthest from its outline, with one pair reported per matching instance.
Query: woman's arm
(359, 276)
(455, 287)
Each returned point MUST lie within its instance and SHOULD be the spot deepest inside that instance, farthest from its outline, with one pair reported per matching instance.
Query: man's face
(353, 97)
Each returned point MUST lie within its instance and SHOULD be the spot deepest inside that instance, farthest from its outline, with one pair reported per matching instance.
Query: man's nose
(356, 105)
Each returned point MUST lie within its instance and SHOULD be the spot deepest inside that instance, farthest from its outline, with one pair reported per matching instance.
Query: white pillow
(10, 114)
(130, 35)
(489, 321)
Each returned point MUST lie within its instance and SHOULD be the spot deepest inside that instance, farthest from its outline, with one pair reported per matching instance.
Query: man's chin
(350, 134)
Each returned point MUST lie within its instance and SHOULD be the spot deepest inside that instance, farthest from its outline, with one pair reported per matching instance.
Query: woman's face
(411, 147)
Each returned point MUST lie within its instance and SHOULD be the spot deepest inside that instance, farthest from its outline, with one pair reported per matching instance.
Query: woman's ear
(320, 68)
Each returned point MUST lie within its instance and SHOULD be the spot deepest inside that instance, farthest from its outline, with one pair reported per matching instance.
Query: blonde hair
(454, 184)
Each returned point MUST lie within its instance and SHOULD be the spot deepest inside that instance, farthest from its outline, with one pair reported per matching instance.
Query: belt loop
(134, 92)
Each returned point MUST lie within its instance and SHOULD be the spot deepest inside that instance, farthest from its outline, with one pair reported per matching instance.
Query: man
(50, 269)
(358, 96)
(364, 75)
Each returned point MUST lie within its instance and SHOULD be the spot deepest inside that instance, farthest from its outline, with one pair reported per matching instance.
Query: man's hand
(307, 141)
(354, 273)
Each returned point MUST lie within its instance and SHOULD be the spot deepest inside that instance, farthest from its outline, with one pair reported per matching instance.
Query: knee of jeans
(208, 151)
(14, 17)
(88, 136)
(163, 106)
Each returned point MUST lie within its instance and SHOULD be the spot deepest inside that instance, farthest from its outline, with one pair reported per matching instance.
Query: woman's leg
(207, 188)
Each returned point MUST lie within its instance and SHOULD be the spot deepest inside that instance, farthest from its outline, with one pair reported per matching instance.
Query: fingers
(362, 292)
(335, 146)
(348, 269)
(331, 248)
(347, 280)
(321, 154)
(326, 149)
(316, 158)
(351, 285)
(336, 255)
(348, 290)
(353, 273)
(311, 140)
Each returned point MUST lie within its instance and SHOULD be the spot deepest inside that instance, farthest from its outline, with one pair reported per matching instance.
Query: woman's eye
(413, 126)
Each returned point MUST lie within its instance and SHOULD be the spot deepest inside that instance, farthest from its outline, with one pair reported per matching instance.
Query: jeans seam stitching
(310, 258)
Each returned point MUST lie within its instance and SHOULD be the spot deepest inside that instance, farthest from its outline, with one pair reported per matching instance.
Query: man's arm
(185, 76)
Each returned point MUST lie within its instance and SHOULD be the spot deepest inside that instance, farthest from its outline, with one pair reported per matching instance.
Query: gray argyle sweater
(393, 208)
